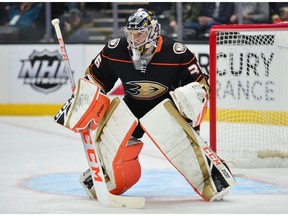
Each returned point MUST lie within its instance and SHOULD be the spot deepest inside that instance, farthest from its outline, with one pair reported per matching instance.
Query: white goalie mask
(142, 31)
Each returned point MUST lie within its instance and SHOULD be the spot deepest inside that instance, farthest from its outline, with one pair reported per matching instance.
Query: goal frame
(212, 61)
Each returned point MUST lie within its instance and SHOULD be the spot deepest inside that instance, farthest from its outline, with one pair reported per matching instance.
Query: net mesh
(252, 105)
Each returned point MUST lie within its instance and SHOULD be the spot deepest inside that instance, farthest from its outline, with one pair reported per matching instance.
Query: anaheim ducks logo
(146, 90)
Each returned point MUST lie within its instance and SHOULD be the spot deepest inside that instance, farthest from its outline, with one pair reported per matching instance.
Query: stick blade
(126, 202)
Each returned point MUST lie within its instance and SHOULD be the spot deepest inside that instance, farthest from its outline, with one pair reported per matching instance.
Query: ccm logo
(91, 155)
(62, 48)
(212, 155)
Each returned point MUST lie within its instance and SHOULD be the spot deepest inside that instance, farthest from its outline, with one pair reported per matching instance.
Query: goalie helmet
(142, 31)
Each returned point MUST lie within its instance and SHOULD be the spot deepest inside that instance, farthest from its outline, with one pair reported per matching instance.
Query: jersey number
(194, 69)
(98, 60)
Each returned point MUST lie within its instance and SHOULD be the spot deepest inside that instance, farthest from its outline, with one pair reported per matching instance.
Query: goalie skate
(87, 184)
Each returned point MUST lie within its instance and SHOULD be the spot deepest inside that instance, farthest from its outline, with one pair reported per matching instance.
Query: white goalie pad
(119, 156)
(187, 152)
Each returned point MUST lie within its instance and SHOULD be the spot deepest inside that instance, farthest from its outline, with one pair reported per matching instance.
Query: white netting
(252, 105)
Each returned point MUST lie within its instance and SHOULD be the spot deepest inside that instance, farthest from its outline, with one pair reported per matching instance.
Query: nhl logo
(44, 71)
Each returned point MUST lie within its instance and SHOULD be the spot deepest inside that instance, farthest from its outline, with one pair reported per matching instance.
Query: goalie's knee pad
(126, 166)
(125, 169)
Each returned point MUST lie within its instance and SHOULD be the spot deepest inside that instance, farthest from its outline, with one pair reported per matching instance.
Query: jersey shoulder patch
(179, 48)
(113, 43)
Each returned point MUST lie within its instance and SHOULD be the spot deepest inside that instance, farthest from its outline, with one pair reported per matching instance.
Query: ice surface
(41, 162)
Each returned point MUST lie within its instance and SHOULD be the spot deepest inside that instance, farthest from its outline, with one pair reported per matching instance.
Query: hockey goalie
(166, 97)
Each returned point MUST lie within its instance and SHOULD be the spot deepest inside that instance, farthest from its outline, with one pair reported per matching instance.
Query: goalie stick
(91, 151)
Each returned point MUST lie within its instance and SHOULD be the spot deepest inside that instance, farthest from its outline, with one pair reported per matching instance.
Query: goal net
(249, 94)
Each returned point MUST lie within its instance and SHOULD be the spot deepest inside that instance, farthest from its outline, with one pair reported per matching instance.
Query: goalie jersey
(172, 66)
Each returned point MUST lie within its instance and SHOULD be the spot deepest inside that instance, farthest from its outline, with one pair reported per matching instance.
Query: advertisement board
(33, 76)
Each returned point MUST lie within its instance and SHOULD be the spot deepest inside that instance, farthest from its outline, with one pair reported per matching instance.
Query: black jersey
(172, 65)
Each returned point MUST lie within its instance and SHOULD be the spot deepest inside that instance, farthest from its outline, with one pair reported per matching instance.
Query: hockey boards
(187, 151)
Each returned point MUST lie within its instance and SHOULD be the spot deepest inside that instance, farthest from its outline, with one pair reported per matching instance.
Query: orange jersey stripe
(118, 60)
(171, 64)
(159, 45)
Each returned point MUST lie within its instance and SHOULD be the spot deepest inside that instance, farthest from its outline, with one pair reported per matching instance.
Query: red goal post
(248, 104)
